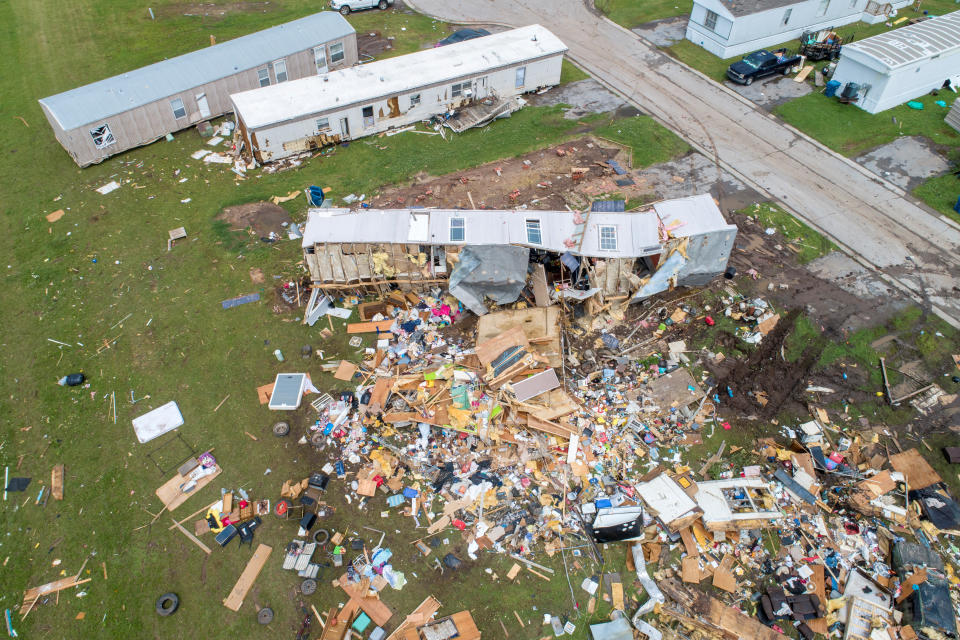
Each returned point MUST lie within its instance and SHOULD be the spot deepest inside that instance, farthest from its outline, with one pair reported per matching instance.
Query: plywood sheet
(819, 625)
(345, 371)
(56, 482)
(490, 350)
(918, 471)
(247, 578)
(171, 495)
(370, 327)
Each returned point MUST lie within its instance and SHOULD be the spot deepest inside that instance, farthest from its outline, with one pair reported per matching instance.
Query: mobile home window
(323, 124)
(280, 70)
(102, 136)
(336, 52)
(786, 15)
(457, 90)
(457, 230)
(521, 76)
(264, 76)
(179, 111)
(533, 232)
(414, 100)
(824, 5)
(608, 237)
(710, 22)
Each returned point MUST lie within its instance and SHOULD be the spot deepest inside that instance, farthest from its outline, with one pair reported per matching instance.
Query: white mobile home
(900, 65)
(98, 120)
(729, 28)
(674, 242)
(282, 120)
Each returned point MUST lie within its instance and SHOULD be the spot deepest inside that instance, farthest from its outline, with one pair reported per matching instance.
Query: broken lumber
(192, 537)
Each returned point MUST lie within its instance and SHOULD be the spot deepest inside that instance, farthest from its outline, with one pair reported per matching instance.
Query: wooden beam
(192, 537)
(247, 578)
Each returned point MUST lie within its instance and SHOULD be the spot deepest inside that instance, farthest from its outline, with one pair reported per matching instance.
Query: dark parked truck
(760, 64)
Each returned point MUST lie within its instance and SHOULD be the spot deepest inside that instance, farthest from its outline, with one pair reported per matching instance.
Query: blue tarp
(236, 302)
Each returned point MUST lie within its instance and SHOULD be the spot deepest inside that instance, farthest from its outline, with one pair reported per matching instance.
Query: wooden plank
(56, 482)
(369, 327)
(192, 537)
(819, 625)
(170, 494)
(541, 293)
(514, 570)
(616, 595)
(688, 542)
(345, 371)
(247, 578)
(803, 73)
(723, 577)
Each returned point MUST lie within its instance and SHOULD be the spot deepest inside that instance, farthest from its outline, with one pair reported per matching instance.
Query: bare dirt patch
(372, 44)
(262, 217)
(538, 180)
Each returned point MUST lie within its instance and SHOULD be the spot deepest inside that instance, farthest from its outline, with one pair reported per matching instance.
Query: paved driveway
(911, 246)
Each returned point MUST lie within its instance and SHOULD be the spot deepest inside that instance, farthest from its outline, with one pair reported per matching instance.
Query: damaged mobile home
(481, 254)
(98, 120)
(482, 78)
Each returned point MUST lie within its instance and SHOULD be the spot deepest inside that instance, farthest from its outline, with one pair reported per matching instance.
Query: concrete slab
(773, 91)
(849, 275)
(693, 174)
(663, 33)
(583, 96)
(906, 162)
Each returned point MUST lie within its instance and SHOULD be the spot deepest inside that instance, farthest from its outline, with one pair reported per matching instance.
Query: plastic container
(831, 89)
(278, 354)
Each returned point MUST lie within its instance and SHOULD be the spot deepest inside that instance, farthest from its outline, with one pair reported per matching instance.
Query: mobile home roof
(337, 89)
(912, 43)
(95, 102)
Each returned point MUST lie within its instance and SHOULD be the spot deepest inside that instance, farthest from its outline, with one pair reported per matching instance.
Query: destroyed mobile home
(484, 254)
(480, 79)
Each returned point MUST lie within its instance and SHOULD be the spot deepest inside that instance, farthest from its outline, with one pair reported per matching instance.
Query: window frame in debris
(533, 225)
(368, 119)
(521, 77)
(277, 66)
(606, 233)
(325, 126)
(102, 136)
(178, 107)
(263, 76)
(337, 55)
(458, 224)
(710, 20)
(414, 100)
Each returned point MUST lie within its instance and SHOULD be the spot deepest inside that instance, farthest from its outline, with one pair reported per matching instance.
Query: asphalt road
(908, 244)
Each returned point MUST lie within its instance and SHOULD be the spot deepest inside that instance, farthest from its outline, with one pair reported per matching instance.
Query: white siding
(434, 100)
(765, 29)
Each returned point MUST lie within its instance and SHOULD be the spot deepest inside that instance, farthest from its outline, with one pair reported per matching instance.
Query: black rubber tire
(265, 615)
(786, 70)
(383, 5)
(321, 536)
(308, 587)
(317, 438)
(748, 81)
(344, 10)
(281, 429)
(167, 604)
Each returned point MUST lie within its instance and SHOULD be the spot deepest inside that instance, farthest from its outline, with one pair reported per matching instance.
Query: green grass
(941, 193)
(695, 56)
(650, 142)
(632, 13)
(810, 243)
(570, 72)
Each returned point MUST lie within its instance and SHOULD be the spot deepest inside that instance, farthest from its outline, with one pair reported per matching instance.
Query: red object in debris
(726, 425)
(460, 524)
(836, 457)
(242, 504)
(378, 480)
(710, 322)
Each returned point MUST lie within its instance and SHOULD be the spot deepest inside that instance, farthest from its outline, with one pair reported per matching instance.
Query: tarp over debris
(491, 271)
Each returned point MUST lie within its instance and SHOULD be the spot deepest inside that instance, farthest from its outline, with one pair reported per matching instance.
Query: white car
(346, 6)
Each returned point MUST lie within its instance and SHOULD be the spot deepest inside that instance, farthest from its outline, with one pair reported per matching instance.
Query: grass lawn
(103, 273)
(632, 13)
(650, 142)
(812, 245)
(570, 72)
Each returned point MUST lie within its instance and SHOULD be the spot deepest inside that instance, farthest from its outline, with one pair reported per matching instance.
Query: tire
(785, 71)
(308, 587)
(281, 429)
(265, 615)
(167, 604)
(321, 536)
(344, 10)
(383, 5)
(317, 439)
(748, 81)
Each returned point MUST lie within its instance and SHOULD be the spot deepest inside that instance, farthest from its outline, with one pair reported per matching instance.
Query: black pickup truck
(761, 63)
